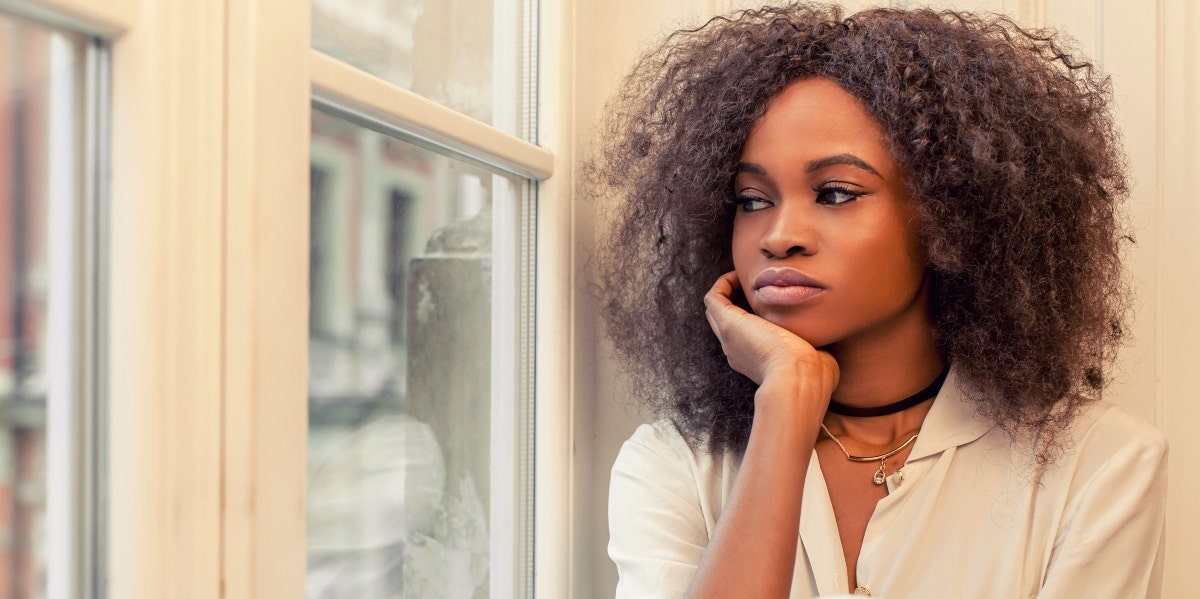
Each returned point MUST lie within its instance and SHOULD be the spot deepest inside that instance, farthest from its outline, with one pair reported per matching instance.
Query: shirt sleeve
(1111, 542)
(657, 530)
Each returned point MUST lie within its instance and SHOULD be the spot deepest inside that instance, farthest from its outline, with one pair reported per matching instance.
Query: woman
(867, 272)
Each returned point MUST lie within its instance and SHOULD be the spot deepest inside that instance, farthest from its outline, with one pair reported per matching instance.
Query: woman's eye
(836, 195)
(752, 203)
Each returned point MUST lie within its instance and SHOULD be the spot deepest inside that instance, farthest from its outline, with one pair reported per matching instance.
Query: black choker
(924, 394)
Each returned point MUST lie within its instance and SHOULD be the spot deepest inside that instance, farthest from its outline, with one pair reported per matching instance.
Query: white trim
(341, 87)
(505, 396)
(1178, 325)
(265, 358)
(554, 385)
(165, 303)
(65, 541)
(104, 19)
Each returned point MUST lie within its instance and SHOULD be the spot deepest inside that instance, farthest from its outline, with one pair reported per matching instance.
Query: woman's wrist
(796, 401)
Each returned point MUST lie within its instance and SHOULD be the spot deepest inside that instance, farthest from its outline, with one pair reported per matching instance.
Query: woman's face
(825, 236)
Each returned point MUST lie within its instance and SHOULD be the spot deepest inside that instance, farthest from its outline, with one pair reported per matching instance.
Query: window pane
(474, 56)
(419, 409)
(41, 114)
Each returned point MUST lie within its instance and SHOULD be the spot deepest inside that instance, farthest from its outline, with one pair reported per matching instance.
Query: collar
(951, 421)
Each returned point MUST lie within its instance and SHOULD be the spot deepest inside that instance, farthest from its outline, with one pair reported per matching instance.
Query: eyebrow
(815, 165)
(752, 168)
(846, 159)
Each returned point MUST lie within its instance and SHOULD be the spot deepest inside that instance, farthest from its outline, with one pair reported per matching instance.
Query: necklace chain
(881, 473)
(855, 458)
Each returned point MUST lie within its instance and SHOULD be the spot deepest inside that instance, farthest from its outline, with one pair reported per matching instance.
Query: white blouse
(974, 516)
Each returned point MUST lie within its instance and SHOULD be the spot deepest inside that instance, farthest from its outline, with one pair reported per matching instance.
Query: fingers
(757, 348)
(727, 283)
(718, 301)
(721, 293)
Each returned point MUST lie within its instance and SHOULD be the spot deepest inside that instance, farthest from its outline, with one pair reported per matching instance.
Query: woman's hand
(795, 381)
(760, 349)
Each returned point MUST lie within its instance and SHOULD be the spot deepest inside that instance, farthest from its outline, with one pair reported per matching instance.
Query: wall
(609, 35)
(1156, 73)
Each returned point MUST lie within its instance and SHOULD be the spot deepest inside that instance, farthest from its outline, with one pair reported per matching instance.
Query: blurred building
(24, 165)
(399, 358)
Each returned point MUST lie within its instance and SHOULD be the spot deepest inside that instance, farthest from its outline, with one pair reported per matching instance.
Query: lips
(785, 287)
(784, 277)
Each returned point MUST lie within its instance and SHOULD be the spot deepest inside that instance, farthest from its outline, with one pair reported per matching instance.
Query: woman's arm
(752, 552)
(659, 536)
(659, 533)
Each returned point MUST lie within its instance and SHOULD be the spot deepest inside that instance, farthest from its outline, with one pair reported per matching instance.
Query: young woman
(866, 270)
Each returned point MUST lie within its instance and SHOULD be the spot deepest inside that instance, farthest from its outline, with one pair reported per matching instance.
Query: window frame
(210, 110)
(207, 247)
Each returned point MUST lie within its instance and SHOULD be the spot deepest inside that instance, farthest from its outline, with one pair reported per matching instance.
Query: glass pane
(418, 417)
(474, 56)
(41, 113)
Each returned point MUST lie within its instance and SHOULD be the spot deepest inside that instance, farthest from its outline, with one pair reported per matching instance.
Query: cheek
(901, 266)
(895, 242)
(747, 263)
(746, 278)
(887, 265)
(743, 252)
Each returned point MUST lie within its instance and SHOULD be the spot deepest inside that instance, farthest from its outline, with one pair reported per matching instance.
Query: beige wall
(1156, 73)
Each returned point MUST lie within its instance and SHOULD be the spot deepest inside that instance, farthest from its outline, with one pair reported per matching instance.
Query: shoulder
(661, 437)
(657, 466)
(659, 449)
(1103, 431)
(1109, 533)
(660, 511)
(1109, 453)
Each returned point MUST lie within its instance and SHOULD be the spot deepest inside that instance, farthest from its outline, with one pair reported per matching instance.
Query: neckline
(929, 392)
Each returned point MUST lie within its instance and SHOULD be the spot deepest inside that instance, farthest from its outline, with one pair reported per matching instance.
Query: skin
(819, 194)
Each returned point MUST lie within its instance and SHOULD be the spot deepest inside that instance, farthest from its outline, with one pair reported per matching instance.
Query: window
(472, 56)
(415, 413)
(49, 381)
(421, 293)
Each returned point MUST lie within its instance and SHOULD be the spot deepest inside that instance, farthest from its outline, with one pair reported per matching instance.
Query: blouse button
(862, 591)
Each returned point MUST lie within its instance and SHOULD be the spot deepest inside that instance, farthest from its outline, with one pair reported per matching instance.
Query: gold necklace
(881, 473)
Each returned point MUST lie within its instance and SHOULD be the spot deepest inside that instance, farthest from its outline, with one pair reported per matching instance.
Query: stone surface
(449, 361)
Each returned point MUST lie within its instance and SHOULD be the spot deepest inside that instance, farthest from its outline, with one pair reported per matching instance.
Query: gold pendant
(881, 474)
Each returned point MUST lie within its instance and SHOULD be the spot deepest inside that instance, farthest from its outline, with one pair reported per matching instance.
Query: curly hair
(1007, 143)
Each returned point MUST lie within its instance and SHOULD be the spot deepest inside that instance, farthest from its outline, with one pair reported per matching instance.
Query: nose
(788, 234)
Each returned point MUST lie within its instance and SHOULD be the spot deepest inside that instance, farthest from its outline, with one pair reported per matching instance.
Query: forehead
(814, 118)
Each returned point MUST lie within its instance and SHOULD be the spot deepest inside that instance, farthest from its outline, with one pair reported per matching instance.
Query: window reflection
(400, 389)
(474, 56)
